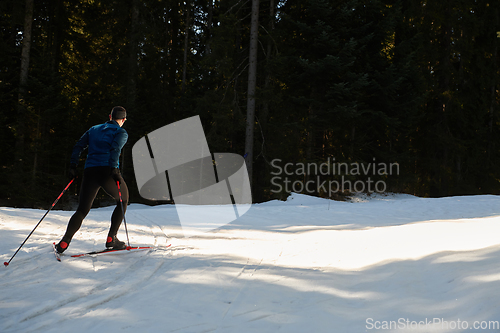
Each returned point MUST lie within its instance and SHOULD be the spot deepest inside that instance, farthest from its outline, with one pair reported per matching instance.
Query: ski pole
(123, 212)
(53, 204)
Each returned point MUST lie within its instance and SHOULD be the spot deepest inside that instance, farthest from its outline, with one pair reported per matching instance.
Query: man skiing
(104, 143)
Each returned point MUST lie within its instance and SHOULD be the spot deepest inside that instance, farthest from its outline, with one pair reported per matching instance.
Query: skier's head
(118, 114)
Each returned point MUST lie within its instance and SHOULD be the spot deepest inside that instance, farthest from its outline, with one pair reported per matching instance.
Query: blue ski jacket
(104, 143)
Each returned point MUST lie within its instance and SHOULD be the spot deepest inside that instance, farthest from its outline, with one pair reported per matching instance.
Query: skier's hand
(115, 173)
(72, 171)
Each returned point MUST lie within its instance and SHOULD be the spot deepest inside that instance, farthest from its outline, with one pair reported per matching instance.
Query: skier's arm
(79, 147)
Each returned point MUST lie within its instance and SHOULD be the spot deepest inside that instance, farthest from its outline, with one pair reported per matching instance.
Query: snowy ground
(387, 264)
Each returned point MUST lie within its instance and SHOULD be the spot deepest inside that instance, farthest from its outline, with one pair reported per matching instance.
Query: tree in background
(349, 85)
(457, 130)
(355, 80)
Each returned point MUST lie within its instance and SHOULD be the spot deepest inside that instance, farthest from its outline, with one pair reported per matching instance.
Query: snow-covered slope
(381, 263)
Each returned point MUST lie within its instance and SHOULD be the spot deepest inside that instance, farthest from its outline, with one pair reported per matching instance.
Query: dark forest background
(413, 82)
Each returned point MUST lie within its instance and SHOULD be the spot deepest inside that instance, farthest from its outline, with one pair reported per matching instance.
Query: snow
(390, 263)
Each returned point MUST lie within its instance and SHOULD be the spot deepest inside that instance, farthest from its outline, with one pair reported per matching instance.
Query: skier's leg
(89, 188)
(109, 185)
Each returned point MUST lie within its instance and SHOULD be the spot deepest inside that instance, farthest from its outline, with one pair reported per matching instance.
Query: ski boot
(112, 243)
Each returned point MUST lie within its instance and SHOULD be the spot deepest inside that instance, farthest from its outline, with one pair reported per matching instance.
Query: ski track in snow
(80, 303)
(307, 264)
(103, 292)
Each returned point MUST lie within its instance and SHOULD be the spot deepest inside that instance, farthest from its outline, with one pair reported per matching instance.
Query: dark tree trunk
(252, 83)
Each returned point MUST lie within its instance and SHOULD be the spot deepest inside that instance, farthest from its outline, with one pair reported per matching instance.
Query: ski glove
(115, 173)
(72, 171)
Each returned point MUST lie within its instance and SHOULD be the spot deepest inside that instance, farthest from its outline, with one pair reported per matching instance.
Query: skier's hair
(118, 112)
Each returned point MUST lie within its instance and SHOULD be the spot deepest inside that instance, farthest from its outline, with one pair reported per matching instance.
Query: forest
(290, 85)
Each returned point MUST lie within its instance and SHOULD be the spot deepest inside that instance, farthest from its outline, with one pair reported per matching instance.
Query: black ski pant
(95, 178)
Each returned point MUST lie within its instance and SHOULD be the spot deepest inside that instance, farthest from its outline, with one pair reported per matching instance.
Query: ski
(111, 251)
(57, 254)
